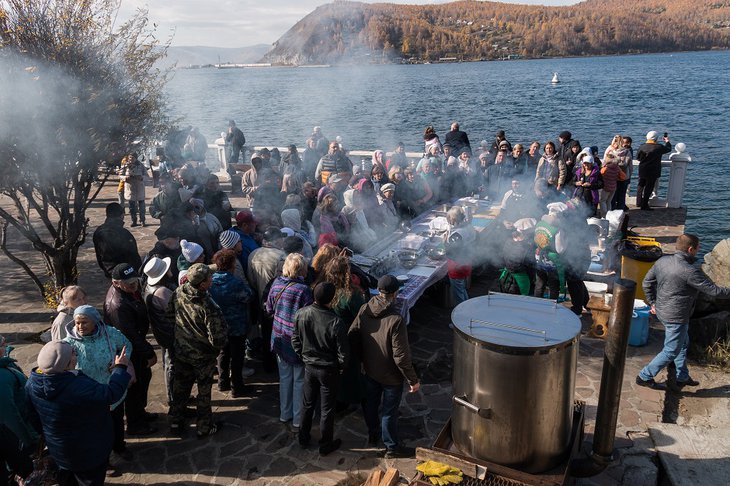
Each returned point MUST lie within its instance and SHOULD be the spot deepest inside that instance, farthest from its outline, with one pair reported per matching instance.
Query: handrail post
(677, 176)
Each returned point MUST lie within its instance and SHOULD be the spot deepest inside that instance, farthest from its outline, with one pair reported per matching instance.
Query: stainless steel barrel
(515, 359)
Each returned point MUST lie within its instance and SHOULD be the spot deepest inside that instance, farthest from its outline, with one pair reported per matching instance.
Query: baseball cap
(387, 284)
(124, 271)
(199, 272)
(245, 216)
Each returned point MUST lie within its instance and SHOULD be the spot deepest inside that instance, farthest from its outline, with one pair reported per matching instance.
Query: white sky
(241, 23)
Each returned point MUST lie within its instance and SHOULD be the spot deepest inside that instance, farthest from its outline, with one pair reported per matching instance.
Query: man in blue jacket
(74, 412)
(671, 287)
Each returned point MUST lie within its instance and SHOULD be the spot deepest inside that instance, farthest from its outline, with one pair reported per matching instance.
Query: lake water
(685, 94)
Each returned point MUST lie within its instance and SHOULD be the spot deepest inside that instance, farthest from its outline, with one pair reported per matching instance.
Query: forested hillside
(469, 30)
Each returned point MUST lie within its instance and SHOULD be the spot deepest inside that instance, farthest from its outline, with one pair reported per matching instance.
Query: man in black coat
(113, 243)
(457, 139)
(124, 309)
(650, 167)
(320, 341)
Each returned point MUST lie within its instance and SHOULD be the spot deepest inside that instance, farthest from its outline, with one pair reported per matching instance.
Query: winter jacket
(96, 353)
(128, 314)
(215, 202)
(387, 216)
(672, 285)
(333, 164)
(163, 205)
(379, 338)
(459, 250)
(58, 328)
(263, 265)
(248, 245)
(200, 328)
(15, 412)
(285, 298)
(609, 173)
(134, 181)
(458, 139)
(552, 169)
(157, 298)
(650, 158)
(114, 245)
(588, 194)
(232, 296)
(74, 411)
(320, 337)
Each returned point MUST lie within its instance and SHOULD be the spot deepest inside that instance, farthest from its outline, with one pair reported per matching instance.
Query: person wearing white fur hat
(650, 167)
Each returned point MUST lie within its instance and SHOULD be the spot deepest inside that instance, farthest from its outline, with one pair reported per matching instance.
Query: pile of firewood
(378, 477)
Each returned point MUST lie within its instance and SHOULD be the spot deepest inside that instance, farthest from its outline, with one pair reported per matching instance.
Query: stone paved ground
(254, 448)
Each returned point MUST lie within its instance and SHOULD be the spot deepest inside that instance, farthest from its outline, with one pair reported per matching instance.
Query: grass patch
(718, 354)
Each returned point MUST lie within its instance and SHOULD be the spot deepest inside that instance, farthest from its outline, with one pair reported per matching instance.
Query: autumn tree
(78, 93)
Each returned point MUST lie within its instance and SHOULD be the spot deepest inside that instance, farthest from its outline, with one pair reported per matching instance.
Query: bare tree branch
(16, 260)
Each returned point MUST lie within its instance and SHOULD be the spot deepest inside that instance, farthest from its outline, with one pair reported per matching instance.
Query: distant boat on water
(555, 79)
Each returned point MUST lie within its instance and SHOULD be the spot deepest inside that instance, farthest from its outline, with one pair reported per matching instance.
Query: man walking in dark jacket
(379, 337)
(320, 341)
(74, 412)
(124, 309)
(114, 244)
(671, 287)
(650, 167)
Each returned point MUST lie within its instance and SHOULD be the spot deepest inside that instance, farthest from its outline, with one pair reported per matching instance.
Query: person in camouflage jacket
(200, 334)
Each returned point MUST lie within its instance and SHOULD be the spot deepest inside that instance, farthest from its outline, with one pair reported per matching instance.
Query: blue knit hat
(88, 311)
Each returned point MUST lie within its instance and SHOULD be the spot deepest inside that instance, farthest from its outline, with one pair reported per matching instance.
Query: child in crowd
(72, 297)
(459, 239)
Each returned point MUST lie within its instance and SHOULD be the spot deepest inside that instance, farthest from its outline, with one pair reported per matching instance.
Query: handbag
(45, 470)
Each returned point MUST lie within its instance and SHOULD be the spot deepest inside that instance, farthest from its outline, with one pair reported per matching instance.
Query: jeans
(619, 197)
(676, 340)
(91, 477)
(13, 458)
(291, 381)
(458, 290)
(136, 401)
(136, 207)
(230, 362)
(604, 201)
(547, 280)
(119, 445)
(168, 369)
(319, 383)
(578, 292)
(390, 396)
(643, 191)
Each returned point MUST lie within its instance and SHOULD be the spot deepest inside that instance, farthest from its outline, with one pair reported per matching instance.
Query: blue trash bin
(639, 333)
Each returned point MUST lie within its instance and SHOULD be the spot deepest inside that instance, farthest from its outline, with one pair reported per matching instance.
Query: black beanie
(292, 244)
(324, 292)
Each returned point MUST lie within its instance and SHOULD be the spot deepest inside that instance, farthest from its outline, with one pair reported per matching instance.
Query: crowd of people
(276, 282)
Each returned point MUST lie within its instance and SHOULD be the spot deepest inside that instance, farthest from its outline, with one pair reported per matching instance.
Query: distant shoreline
(420, 62)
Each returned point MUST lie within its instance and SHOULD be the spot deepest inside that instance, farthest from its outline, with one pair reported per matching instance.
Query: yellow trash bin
(638, 255)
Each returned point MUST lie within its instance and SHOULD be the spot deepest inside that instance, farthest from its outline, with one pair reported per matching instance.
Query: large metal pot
(515, 359)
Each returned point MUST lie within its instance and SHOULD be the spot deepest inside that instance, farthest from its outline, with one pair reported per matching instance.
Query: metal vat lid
(516, 321)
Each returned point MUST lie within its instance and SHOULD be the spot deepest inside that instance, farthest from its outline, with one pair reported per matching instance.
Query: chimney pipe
(614, 362)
